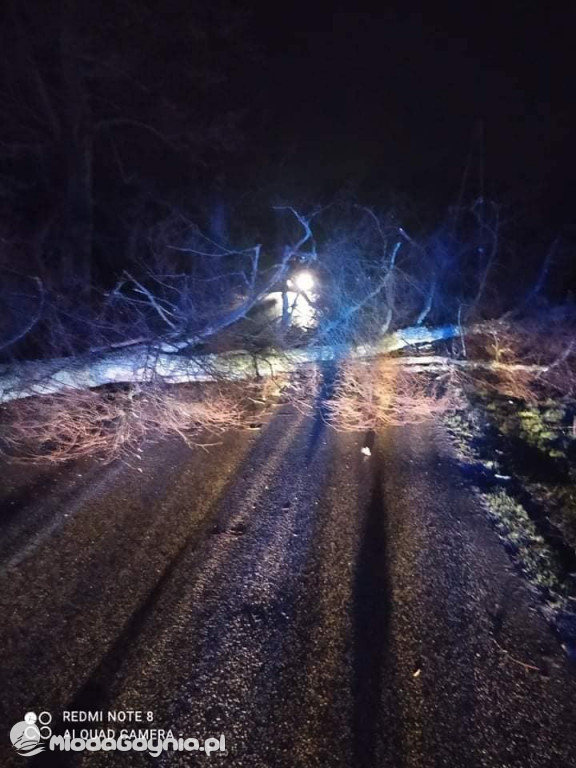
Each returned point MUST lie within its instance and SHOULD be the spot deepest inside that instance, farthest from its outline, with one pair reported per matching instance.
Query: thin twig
(517, 661)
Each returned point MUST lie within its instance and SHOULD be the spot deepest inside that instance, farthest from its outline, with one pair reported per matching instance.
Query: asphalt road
(317, 606)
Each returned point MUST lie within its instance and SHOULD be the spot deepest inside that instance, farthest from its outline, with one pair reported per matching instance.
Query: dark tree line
(122, 125)
(110, 112)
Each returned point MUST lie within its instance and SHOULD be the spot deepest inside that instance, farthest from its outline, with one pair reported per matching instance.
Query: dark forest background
(115, 115)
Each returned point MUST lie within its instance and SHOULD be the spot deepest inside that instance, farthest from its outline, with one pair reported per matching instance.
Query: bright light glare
(302, 312)
(304, 281)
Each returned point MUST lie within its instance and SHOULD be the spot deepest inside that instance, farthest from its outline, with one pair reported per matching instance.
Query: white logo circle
(26, 736)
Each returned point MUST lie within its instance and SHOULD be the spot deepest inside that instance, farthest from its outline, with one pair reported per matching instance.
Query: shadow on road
(222, 520)
(371, 615)
(95, 694)
(329, 377)
(12, 505)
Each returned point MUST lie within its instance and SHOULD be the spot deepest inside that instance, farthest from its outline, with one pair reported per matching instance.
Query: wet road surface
(317, 606)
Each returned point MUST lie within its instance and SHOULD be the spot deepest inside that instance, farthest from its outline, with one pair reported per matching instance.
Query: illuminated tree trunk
(144, 363)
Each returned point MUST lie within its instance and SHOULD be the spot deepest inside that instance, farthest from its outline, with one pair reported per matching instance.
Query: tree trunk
(146, 362)
(77, 211)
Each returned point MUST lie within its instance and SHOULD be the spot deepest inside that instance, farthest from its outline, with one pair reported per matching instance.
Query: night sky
(194, 106)
(405, 104)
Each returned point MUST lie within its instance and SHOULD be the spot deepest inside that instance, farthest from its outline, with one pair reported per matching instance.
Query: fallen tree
(377, 288)
(110, 408)
(143, 363)
(193, 314)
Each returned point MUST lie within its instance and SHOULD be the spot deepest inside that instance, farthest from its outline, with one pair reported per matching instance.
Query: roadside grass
(521, 457)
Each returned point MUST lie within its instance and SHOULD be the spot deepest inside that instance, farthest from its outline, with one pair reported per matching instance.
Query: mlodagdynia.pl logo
(27, 736)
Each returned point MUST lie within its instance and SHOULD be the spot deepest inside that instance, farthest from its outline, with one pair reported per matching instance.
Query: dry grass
(515, 384)
(547, 340)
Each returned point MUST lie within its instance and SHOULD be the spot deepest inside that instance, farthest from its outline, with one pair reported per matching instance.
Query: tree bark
(146, 362)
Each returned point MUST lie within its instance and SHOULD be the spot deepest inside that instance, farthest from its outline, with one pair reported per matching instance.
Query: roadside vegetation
(516, 441)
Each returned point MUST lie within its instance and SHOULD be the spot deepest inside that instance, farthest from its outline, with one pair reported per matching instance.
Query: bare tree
(186, 313)
(374, 285)
(94, 114)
